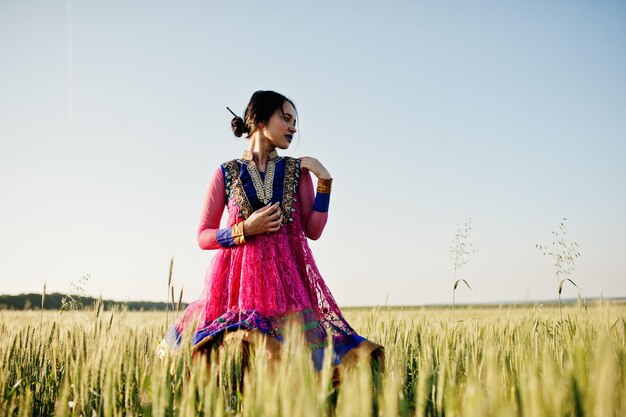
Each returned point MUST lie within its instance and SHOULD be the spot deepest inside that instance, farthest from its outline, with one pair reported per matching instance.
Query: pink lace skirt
(262, 285)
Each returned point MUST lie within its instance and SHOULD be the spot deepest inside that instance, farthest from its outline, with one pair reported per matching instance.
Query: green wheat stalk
(460, 250)
(180, 300)
(167, 295)
(564, 253)
(43, 299)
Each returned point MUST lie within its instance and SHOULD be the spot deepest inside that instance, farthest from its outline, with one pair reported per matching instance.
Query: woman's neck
(260, 148)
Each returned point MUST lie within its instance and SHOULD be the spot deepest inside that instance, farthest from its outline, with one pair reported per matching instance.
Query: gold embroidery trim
(234, 189)
(230, 174)
(324, 185)
(249, 156)
(241, 199)
(290, 188)
(264, 188)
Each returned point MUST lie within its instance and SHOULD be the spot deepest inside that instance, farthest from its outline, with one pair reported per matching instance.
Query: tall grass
(564, 253)
(461, 248)
(497, 362)
(169, 285)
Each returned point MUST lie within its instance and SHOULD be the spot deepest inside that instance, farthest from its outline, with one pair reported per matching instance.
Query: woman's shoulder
(227, 169)
(290, 161)
(230, 164)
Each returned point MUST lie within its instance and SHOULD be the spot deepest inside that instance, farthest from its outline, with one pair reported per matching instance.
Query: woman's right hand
(265, 220)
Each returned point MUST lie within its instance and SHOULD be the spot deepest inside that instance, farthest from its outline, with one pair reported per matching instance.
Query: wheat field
(509, 361)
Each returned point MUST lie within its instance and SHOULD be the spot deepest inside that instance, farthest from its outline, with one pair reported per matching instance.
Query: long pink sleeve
(313, 222)
(212, 210)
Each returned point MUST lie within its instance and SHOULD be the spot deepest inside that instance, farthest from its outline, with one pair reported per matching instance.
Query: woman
(264, 275)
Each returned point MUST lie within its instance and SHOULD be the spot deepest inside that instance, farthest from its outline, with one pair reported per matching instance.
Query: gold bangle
(237, 233)
(324, 185)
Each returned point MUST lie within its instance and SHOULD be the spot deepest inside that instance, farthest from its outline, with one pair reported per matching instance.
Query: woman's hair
(262, 105)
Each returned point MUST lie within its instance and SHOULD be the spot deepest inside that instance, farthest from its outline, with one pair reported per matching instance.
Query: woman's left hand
(315, 166)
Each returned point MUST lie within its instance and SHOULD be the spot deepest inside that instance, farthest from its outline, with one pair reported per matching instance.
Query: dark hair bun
(238, 126)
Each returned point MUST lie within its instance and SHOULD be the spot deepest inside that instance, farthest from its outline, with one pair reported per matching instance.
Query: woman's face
(281, 127)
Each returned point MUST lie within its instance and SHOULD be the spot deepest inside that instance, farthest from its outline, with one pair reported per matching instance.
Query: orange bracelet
(237, 233)
(324, 185)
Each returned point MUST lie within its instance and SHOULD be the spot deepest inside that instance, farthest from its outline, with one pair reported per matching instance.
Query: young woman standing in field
(264, 275)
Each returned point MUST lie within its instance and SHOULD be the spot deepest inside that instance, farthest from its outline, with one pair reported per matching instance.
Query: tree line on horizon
(54, 301)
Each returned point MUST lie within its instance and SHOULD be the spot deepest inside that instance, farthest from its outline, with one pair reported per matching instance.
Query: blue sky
(112, 119)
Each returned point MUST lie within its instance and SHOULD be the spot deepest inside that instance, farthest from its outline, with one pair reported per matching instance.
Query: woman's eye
(288, 120)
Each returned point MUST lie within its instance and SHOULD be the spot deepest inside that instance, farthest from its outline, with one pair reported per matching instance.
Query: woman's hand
(264, 220)
(315, 166)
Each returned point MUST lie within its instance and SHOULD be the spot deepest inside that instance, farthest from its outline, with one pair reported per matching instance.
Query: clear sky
(112, 119)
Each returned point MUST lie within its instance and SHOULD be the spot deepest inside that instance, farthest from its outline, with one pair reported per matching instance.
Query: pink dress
(272, 277)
